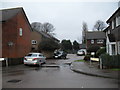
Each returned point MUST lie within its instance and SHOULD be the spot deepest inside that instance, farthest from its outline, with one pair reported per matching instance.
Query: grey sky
(67, 17)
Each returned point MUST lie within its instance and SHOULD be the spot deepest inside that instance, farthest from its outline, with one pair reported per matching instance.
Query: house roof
(106, 29)
(95, 35)
(116, 13)
(9, 13)
(46, 35)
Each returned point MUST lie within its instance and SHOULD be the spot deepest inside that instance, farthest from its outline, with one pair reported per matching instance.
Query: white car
(80, 52)
(34, 59)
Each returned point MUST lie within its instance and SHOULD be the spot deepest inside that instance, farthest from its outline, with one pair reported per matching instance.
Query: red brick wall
(95, 43)
(10, 32)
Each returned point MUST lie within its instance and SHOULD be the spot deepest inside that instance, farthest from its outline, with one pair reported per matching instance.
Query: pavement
(93, 70)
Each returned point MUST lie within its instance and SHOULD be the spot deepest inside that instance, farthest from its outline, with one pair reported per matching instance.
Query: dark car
(60, 54)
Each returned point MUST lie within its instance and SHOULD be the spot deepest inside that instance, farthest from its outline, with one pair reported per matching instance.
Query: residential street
(53, 77)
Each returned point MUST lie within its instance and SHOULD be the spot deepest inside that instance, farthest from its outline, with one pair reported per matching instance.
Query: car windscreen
(32, 55)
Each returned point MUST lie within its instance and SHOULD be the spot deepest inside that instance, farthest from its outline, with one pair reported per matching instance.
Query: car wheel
(25, 64)
(39, 65)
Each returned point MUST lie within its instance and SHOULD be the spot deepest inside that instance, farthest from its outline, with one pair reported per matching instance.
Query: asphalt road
(53, 77)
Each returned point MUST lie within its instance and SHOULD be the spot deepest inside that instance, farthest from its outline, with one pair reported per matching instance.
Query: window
(20, 31)
(100, 41)
(92, 41)
(113, 49)
(34, 42)
(117, 21)
(113, 24)
(108, 31)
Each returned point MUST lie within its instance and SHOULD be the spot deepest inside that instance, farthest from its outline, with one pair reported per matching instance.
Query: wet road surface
(53, 77)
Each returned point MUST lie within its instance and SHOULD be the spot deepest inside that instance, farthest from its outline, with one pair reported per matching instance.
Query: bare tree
(99, 25)
(48, 28)
(84, 30)
(37, 26)
(45, 27)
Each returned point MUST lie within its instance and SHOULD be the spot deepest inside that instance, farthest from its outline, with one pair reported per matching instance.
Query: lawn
(116, 69)
(79, 60)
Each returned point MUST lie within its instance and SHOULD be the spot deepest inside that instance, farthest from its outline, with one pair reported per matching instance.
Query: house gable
(16, 29)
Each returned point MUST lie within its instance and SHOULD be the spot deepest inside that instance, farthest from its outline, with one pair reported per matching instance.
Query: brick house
(36, 38)
(95, 38)
(39, 36)
(16, 31)
(113, 33)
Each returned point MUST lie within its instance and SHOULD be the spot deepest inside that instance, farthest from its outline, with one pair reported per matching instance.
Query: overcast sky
(67, 17)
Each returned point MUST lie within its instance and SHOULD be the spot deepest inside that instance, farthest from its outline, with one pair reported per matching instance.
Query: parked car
(34, 59)
(60, 54)
(80, 52)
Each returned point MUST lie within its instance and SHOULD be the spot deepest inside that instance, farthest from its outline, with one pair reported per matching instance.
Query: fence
(110, 61)
(11, 61)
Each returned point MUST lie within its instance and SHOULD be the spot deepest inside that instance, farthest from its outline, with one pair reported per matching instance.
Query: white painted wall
(118, 4)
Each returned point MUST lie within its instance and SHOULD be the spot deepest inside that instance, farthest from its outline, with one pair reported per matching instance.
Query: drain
(14, 81)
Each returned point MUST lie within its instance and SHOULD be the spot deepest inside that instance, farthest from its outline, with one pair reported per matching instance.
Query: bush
(87, 57)
(101, 51)
(93, 48)
(48, 45)
(110, 61)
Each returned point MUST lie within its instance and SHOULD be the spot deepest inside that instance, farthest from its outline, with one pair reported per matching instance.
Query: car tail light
(34, 59)
(25, 59)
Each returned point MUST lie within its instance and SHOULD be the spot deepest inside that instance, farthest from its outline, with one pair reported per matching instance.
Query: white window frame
(113, 23)
(20, 31)
(100, 41)
(92, 41)
(117, 21)
(108, 31)
(34, 42)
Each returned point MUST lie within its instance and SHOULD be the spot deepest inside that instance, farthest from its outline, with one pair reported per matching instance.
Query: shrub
(101, 51)
(110, 61)
(93, 48)
(48, 45)
(87, 57)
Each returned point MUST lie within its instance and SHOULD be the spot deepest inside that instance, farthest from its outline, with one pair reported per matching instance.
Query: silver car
(34, 59)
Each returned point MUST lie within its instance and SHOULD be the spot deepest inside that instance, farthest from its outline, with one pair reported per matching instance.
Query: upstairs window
(117, 21)
(20, 32)
(100, 41)
(34, 42)
(113, 24)
(108, 31)
(92, 41)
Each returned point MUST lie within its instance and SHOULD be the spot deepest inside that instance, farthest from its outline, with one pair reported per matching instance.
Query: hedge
(110, 61)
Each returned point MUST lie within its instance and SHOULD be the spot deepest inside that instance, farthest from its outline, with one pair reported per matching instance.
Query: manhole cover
(14, 81)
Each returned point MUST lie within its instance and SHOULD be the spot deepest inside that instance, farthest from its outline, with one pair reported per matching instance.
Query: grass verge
(79, 61)
(115, 69)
